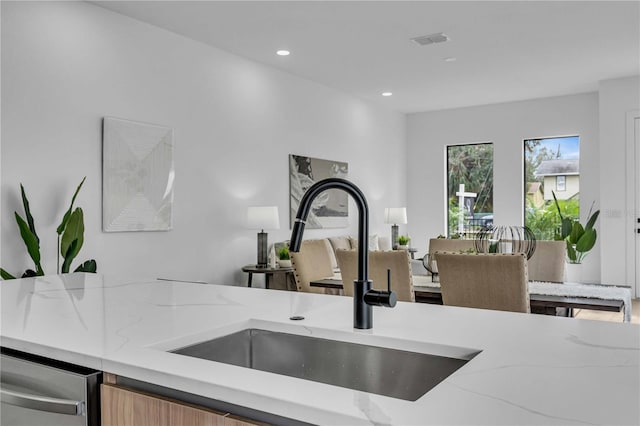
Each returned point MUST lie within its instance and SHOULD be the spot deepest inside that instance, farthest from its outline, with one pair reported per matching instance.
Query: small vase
(573, 272)
(272, 258)
(403, 247)
(284, 263)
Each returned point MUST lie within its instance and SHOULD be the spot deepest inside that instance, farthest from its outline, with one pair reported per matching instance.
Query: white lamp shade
(395, 215)
(263, 217)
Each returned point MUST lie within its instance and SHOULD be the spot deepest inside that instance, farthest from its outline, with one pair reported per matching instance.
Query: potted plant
(579, 239)
(284, 258)
(70, 239)
(403, 242)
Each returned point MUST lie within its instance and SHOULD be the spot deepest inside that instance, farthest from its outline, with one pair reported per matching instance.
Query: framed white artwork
(137, 176)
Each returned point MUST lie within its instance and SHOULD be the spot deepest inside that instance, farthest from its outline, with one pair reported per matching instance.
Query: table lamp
(263, 218)
(395, 215)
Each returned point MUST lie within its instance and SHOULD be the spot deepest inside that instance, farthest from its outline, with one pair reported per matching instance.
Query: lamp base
(262, 250)
(394, 237)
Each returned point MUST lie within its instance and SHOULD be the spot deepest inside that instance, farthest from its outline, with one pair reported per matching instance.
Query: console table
(268, 273)
(412, 252)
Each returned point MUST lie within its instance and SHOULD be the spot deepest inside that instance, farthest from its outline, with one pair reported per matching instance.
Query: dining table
(544, 297)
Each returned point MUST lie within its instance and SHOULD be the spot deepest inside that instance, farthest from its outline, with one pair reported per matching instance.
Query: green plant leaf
(30, 240)
(73, 231)
(586, 241)
(283, 253)
(567, 226)
(571, 252)
(65, 218)
(555, 200)
(87, 266)
(403, 240)
(27, 212)
(576, 232)
(592, 220)
(72, 238)
(69, 256)
(5, 275)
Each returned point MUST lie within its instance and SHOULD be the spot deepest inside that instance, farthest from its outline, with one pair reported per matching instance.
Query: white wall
(67, 65)
(617, 98)
(507, 126)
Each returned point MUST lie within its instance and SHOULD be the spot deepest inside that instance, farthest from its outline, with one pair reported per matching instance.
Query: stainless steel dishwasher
(39, 391)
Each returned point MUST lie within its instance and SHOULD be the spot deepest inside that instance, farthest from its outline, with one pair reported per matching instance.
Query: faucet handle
(380, 297)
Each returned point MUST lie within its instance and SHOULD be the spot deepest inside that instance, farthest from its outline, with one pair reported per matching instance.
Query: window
(469, 188)
(551, 166)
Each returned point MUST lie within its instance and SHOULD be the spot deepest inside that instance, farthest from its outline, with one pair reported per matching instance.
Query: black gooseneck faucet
(364, 297)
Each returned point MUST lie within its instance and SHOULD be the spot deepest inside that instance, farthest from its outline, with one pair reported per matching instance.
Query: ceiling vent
(430, 39)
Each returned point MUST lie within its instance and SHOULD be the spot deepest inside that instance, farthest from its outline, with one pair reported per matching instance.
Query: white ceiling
(505, 50)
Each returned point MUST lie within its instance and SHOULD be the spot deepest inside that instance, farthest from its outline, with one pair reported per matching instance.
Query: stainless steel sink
(384, 371)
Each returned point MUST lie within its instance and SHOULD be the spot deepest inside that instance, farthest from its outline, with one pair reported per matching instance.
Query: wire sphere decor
(506, 239)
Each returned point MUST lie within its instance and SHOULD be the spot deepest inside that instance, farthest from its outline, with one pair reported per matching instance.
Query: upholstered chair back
(445, 244)
(312, 262)
(548, 261)
(398, 261)
(448, 245)
(487, 280)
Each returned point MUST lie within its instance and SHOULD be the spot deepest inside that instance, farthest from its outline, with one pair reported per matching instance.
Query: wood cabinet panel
(125, 407)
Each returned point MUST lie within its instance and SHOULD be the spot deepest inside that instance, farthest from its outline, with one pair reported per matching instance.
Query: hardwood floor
(610, 316)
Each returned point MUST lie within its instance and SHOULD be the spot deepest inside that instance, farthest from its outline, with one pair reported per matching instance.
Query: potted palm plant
(580, 239)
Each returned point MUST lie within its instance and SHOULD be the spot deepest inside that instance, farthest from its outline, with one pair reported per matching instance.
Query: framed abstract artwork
(137, 176)
(331, 208)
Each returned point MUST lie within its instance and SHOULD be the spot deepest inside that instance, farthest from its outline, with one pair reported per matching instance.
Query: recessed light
(283, 52)
(450, 59)
(387, 93)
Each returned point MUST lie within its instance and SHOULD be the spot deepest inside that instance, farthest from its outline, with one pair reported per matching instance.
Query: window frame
(525, 170)
(446, 180)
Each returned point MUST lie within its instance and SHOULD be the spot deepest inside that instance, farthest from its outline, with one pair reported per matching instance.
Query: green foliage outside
(452, 219)
(534, 154)
(560, 220)
(545, 221)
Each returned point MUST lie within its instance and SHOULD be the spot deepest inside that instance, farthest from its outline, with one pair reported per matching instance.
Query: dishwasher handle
(43, 403)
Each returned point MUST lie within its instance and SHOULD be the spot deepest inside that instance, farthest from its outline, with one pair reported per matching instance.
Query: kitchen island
(530, 369)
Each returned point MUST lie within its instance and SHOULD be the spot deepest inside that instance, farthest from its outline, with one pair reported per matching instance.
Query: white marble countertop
(532, 369)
